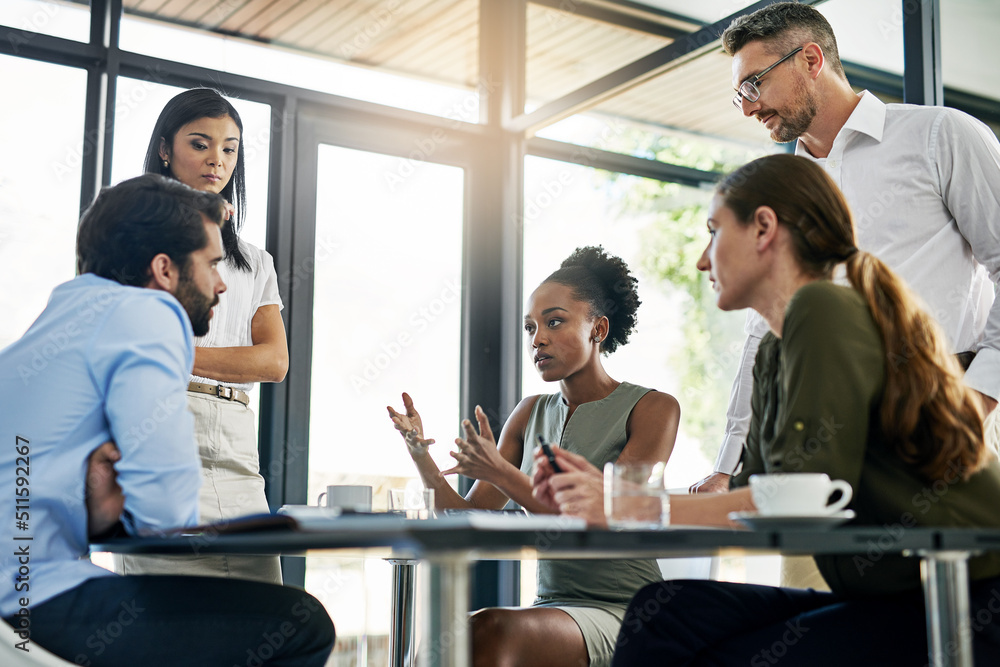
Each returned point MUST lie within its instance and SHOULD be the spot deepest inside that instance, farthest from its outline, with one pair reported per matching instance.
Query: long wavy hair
(929, 416)
(185, 108)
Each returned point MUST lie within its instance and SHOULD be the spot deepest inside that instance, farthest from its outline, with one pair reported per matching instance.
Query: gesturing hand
(410, 427)
(477, 456)
(104, 498)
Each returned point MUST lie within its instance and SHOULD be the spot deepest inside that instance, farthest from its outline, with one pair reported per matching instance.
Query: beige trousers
(231, 486)
(801, 572)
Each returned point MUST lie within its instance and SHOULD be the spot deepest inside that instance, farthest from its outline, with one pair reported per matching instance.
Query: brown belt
(227, 393)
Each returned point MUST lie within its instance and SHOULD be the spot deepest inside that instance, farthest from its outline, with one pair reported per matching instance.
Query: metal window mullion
(274, 396)
(922, 79)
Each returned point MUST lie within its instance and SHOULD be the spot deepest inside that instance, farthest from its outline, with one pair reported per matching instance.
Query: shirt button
(799, 426)
(833, 164)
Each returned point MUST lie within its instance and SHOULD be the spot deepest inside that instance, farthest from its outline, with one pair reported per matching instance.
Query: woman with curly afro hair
(584, 309)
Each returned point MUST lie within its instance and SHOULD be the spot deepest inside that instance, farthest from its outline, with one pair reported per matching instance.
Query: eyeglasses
(748, 89)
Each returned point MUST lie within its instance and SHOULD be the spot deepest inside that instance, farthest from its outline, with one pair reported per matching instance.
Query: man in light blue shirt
(98, 439)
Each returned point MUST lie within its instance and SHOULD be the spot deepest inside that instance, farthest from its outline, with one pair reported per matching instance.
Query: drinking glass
(634, 496)
(415, 503)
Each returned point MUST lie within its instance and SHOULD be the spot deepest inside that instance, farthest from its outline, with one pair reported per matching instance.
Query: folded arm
(266, 360)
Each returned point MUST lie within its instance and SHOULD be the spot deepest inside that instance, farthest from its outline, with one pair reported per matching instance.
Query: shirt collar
(868, 118)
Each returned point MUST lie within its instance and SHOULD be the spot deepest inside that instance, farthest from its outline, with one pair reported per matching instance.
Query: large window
(386, 319)
(683, 344)
(58, 18)
(42, 139)
(659, 230)
(386, 312)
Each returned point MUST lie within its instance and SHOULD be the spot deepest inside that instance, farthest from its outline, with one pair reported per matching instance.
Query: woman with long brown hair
(852, 381)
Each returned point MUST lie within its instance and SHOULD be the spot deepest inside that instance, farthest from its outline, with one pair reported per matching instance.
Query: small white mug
(798, 494)
(353, 497)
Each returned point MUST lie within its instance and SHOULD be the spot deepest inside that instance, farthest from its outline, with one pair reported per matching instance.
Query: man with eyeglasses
(923, 183)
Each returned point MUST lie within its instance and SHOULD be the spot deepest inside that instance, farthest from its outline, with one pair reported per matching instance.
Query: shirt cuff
(729, 455)
(984, 373)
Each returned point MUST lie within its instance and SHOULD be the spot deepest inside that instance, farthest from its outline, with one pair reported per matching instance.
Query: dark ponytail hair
(929, 416)
(604, 282)
(185, 108)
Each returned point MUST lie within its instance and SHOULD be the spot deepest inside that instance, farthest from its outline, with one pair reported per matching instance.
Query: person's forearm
(709, 509)
(738, 414)
(254, 363)
(445, 497)
(517, 486)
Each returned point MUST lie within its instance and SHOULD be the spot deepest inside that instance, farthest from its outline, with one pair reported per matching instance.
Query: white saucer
(758, 521)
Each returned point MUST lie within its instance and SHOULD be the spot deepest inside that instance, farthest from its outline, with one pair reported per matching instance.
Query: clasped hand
(104, 498)
(577, 491)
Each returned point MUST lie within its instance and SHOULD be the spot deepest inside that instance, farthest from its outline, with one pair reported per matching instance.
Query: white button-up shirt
(924, 186)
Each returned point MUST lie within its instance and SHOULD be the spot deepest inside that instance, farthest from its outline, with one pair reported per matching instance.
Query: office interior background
(416, 168)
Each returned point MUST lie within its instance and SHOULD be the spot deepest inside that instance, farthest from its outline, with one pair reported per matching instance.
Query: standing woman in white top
(198, 140)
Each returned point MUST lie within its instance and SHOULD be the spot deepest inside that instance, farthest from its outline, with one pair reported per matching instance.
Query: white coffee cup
(798, 494)
(353, 497)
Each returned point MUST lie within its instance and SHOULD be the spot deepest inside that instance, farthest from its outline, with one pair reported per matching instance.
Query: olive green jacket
(816, 401)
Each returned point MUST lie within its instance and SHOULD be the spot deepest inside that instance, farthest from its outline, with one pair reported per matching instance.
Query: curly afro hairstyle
(603, 281)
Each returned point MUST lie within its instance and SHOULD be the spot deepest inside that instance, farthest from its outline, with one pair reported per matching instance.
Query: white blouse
(246, 291)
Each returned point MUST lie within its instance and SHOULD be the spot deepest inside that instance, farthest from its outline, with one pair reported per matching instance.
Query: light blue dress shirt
(102, 362)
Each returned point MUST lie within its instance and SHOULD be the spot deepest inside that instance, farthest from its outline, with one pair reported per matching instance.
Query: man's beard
(796, 119)
(195, 303)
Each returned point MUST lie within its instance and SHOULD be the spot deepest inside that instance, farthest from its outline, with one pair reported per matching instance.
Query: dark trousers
(719, 623)
(148, 621)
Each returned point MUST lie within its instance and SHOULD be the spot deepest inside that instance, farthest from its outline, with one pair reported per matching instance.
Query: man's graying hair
(782, 27)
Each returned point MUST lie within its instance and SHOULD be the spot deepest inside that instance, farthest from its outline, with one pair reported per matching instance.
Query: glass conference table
(449, 544)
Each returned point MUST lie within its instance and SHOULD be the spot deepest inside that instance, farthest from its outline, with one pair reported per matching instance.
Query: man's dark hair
(782, 27)
(132, 222)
